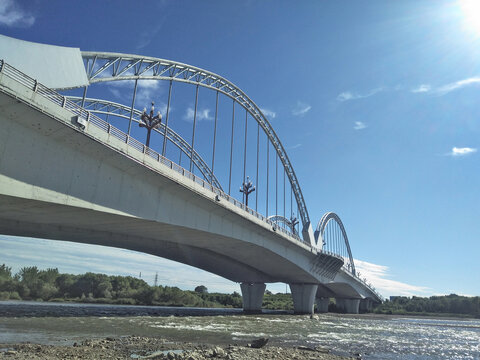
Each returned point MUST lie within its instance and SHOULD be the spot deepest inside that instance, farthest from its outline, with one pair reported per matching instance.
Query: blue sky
(376, 103)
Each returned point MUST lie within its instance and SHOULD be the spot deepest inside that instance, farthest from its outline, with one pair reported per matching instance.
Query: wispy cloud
(378, 276)
(147, 91)
(269, 113)
(461, 151)
(457, 85)
(349, 95)
(296, 146)
(301, 109)
(12, 15)
(447, 88)
(422, 89)
(202, 114)
(359, 125)
(147, 36)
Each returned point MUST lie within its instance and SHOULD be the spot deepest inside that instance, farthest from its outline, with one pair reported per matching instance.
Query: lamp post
(150, 122)
(247, 188)
(293, 223)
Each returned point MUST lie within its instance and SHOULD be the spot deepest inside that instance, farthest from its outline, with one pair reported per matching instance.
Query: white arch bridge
(71, 168)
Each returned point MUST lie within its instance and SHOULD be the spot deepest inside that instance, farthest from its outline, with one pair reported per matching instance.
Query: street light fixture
(150, 122)
(247, 188)
(293, 223)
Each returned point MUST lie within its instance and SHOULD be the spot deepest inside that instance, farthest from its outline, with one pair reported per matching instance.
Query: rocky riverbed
(135, 347)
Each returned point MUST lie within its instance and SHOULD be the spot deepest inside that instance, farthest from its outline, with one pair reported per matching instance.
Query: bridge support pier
(349, 306)
(252, 296)
(322, 304)
(303, 297)
(366, 305)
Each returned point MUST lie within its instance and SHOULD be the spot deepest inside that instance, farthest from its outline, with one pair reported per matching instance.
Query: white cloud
(296, 146)
(422, 89)
(202, 114)
(301, 109)
(461, 151)
(12, 15)
(344, 96)
(269, 113)
(445, 89)
(147, 91)
(348, 95)
(359, 125)
(117, 93)
(378, 275)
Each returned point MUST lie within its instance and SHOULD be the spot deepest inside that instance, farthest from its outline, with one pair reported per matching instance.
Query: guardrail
(77, 110)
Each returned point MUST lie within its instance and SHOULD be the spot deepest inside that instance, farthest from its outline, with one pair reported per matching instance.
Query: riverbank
(135, 347)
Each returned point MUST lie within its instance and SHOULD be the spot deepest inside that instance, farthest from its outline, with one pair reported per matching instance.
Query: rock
(170, 356)
(306, 348)
(10, 352)
(259, 343)
(314, 317)
(322, 350)
(218, 352)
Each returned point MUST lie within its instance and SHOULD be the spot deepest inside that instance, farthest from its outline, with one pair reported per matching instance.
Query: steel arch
(132, 67)
(279, 218)
(319, 233)
(114, 109)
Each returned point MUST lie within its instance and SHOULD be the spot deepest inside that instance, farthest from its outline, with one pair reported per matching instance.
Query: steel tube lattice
(103, 67)
(320, 235)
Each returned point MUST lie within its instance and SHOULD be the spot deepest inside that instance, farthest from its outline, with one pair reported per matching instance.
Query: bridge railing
(79, 111)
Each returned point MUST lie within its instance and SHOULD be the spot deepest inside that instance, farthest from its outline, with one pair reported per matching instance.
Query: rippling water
(373, 337)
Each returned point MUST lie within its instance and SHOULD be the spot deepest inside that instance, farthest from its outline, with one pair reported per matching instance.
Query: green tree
(201, 289)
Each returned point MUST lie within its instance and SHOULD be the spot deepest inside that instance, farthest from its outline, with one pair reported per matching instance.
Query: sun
(471, 11)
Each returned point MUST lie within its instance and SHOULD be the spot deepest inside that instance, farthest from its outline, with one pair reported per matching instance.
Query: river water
(371, 336)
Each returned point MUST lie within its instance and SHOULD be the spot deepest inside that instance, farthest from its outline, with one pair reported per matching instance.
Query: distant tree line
(450, 304)
(30, 283)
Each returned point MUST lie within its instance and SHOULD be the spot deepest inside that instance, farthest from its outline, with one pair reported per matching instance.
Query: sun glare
(471, 12)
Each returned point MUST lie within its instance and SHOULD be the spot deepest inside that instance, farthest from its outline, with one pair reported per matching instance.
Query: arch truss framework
(332, 236)
(104, 67)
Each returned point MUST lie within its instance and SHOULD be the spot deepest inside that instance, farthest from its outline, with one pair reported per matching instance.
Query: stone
(305, 348)
(259, 343)
(218, 352)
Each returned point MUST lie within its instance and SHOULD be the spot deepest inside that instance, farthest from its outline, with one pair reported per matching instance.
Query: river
(371, 336)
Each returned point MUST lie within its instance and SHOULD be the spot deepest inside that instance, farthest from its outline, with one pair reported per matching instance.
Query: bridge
(72, 168)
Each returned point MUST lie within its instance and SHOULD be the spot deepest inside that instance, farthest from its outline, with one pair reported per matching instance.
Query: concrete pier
(252, 296)
(303, 297)
(322, 304)
(366, 305)
(349, 306)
